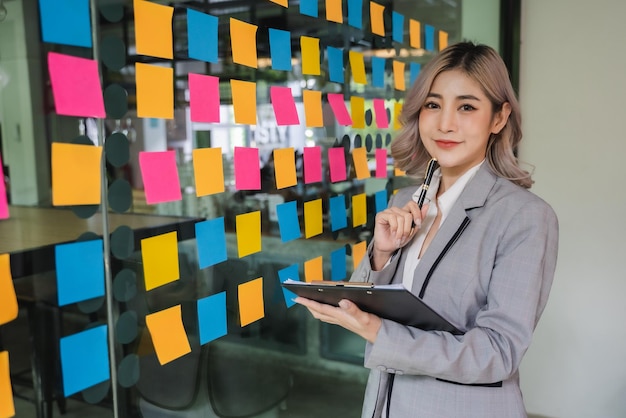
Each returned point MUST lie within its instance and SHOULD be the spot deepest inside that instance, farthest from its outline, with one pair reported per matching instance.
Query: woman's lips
(446, 144)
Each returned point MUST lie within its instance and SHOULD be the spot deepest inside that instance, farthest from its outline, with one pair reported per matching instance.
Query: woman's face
(456, 121)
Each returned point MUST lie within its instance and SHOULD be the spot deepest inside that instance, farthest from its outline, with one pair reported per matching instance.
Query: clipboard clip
(342, 284)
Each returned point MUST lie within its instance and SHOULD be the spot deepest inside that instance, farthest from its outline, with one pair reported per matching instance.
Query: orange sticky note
(357, 65)
(8, 301)
(155, 91)
(280, 2)
(153, 29)
(248, 233)
(359, 158)
(399, 173)
(244, 101)
(251, 306)
(7, 407)
(398, 75)
(160, 259)
(285, 167)
(359, 209)
(208, 171)
(357, 111)
(310, 48)
(397, 110)
(443, 40)
(415, 33)
(76, 174)
(313, 108)
(313, 218)
(314, 269)
(168, 334)
(334, 12)
(358, 252)
(376, 16)
(243, 42)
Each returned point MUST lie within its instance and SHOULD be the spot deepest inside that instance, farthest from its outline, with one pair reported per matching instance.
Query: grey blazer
(488, 271)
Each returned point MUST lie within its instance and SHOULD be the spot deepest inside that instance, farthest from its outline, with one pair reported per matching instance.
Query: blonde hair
(483, 64)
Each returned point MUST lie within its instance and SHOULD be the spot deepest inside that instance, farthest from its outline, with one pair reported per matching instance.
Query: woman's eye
(467, 107)
(431, 105)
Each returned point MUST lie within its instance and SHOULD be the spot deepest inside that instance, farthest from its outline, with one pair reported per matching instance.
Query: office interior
(286, 364)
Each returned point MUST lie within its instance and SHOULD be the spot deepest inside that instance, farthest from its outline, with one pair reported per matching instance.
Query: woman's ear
(500, 118)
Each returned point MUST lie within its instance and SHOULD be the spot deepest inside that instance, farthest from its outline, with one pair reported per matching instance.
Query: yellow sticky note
(313, 218)
(443, 40)
(243, 43)
(248, 233)
(280, 2)
(285, 167)
(359, 157)
(334, 11)
(168, 334)
(244, 101)
(357, 65)
(313, 108)
(159, 255)
(8, 301)
(359, 209)
(251, 307)
(358, 252)
(7, 407)
(208, 171)
(357, 112)
(376, 16)
(310, 48)
(314, 269)
(76, 174)
(415, 33)
(398, 173)
(397, 110)
(398, 75)
(155, 91)
(153, 29)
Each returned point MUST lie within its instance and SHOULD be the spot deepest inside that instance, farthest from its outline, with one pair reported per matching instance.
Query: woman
(482, 253)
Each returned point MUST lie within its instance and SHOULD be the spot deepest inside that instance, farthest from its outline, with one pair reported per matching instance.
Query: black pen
(428, 176)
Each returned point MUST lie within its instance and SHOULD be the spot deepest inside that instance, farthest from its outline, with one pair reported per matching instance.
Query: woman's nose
(447, 120)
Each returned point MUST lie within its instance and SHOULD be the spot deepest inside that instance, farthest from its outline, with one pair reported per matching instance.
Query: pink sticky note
(381, 163)
(204, 98)
(312, 164)
(339, 108)
(247, 169)
(380, 114)
(160, 176)
(337, 164)
(4, 205)
(75, 86)
(284, 106)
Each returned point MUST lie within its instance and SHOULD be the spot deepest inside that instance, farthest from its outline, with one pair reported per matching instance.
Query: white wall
(573, 96)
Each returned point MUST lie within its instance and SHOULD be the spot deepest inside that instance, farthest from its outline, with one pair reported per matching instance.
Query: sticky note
(4, 204)
(357, 111)
(212, 317)
(414, 69)
(208, 171)
(357, 66)
(380, 200)
(247, 169)
(244, 101)
(292, 273)
(285, 167)
(8, 300)
(358, 252)
(339, 109)
(168, 334)
(381, 163)
(378, 72)
(281, 2)
(251, 306)
(429, 37)
(314, 269)
(280, 49)
(313, 224)
(397, 110)
(338, 270)
(160, 176)
(415, 33)
(359, 210)
(284, 106)
(355, 13)
(243, 42)
(443, 40)
(359, 159)
(338, 213)
(334, 11)
(310, 48)
(65, 22)
(313, 115)
(7, 407)
(376, 17)
(398, 172)
(153, 29)
(248, 233)
(288, 221)
(380, 113)
(337, 164)
(202, 36)
(76, 174)
(397, 27)
(211, 242)
(398, 75)
(155, 90)
(76, 86)
(309, 8)
(312, 157)
(80, 271)
(84, 359)
(159, 255)
(335, 64)
(204, 98)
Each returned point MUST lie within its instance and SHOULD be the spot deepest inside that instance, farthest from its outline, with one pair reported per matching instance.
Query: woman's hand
(347, 315)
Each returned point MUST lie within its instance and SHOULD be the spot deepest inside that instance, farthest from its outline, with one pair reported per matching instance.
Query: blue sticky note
(211, 242)
(84, 359)
(212, 317)
(397, 27)
(338, 213)
(378, 72)
(335, 64)
(290, 272)
(429, 37)
(280, 49)
(309, 8)
(202, 36)
(355, 13)
(380, 199)
(338, 264)
(415, 70)
(65, 22)
(288, 221)
(80, 271)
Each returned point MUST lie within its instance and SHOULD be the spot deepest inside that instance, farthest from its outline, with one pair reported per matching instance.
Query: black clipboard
(392, 302)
